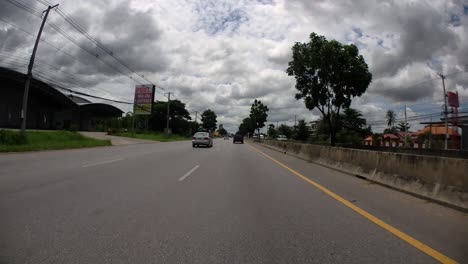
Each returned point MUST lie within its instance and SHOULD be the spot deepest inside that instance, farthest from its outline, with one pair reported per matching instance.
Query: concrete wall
(438, 178)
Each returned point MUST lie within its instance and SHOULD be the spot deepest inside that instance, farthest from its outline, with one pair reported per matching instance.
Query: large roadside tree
(302, 132)
(247, 126)
(328, 76)
(258, 114)
(222, 132)
(352, 119)
(178, 117)
(352, 128)
(209, 121)
(272, 131)
(285, 130)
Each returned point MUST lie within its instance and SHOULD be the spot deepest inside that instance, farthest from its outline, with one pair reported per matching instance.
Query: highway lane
(170, 203)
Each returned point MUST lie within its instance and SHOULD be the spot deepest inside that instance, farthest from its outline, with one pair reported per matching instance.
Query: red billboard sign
(144, 97)
(453, 99)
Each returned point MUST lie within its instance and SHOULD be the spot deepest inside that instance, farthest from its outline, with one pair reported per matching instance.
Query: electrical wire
(76, 25)
(25, 8)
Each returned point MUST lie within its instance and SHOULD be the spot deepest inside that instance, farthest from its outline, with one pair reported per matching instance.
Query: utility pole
(167, 117)
(294, 122)
(24, 109)
(196, 115)
(406, 128)
(445, 111)
(430, 134)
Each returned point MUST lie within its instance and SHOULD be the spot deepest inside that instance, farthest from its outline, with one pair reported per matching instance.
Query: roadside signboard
(453, 99)
(144, 97)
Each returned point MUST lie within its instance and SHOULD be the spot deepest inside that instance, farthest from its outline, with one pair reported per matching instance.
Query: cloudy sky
(222, 54)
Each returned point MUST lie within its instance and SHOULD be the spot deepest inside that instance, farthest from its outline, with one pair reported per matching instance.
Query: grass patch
(11, 141)
(161, 137)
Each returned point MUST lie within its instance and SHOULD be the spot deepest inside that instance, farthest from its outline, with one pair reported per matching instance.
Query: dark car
(238, 138)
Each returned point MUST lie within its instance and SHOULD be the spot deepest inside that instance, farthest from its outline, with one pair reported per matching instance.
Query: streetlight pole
(406, 129)
(167, 117)
(445, 111)
(24, 109)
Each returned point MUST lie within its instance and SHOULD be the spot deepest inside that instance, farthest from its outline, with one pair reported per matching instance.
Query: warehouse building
(48, 108)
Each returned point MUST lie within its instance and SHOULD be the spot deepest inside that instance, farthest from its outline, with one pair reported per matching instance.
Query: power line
(41, 40)
(67, 77)
(25, 54)
(76, 25)
(44, 2)
(53, 82)
(66, 35)
(25, 8)
(61, 87)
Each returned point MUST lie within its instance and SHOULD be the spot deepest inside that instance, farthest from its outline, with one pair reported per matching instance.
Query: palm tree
(352, 119)
(390, 118)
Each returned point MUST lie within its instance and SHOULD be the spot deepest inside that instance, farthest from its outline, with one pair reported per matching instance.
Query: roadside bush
(73, 128)
(8, 137)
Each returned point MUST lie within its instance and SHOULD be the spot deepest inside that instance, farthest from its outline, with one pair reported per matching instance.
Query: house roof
(437, 130)
(390, 136)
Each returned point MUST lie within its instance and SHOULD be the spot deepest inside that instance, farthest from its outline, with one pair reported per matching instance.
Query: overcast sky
(222, 54)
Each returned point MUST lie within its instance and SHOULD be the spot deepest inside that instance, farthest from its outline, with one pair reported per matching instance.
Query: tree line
(180, 121)
(329, 75)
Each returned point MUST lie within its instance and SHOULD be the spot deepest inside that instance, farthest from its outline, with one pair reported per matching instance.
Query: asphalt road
(171, 203)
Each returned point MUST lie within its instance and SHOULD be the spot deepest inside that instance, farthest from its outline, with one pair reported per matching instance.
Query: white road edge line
(188, 173)
(99, 163)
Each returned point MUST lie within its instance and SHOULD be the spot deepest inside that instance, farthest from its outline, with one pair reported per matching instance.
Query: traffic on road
(232, 203)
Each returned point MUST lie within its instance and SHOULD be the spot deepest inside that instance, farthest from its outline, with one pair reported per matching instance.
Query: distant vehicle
(262, 136)
(238, 138)
(226, 137)
(282, 138)
(202, 139)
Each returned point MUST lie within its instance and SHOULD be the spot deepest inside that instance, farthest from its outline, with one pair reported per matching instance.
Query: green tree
(209, 121)
(222, 132)
(272, 133)
(351, 127)
(247, 126)
(178, 117)
(195, 127)
(328, 76)
(352, 119)
(390, 130)
(377, 138)
(302, 131)
(285, 130)
(403, 126)
(258, 114)
(391, 118)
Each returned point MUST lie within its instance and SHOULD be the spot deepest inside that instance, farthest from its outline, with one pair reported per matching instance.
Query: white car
(282, 138)
(202, 139)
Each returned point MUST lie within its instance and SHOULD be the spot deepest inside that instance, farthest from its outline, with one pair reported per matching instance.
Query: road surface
(233, 203)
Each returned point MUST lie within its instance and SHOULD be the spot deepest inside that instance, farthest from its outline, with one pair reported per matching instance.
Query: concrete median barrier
(441, 179)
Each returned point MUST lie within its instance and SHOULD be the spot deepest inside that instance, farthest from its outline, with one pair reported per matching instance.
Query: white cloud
(223, 54)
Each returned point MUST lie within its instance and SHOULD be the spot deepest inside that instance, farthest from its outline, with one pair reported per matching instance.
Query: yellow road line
(408, 239)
